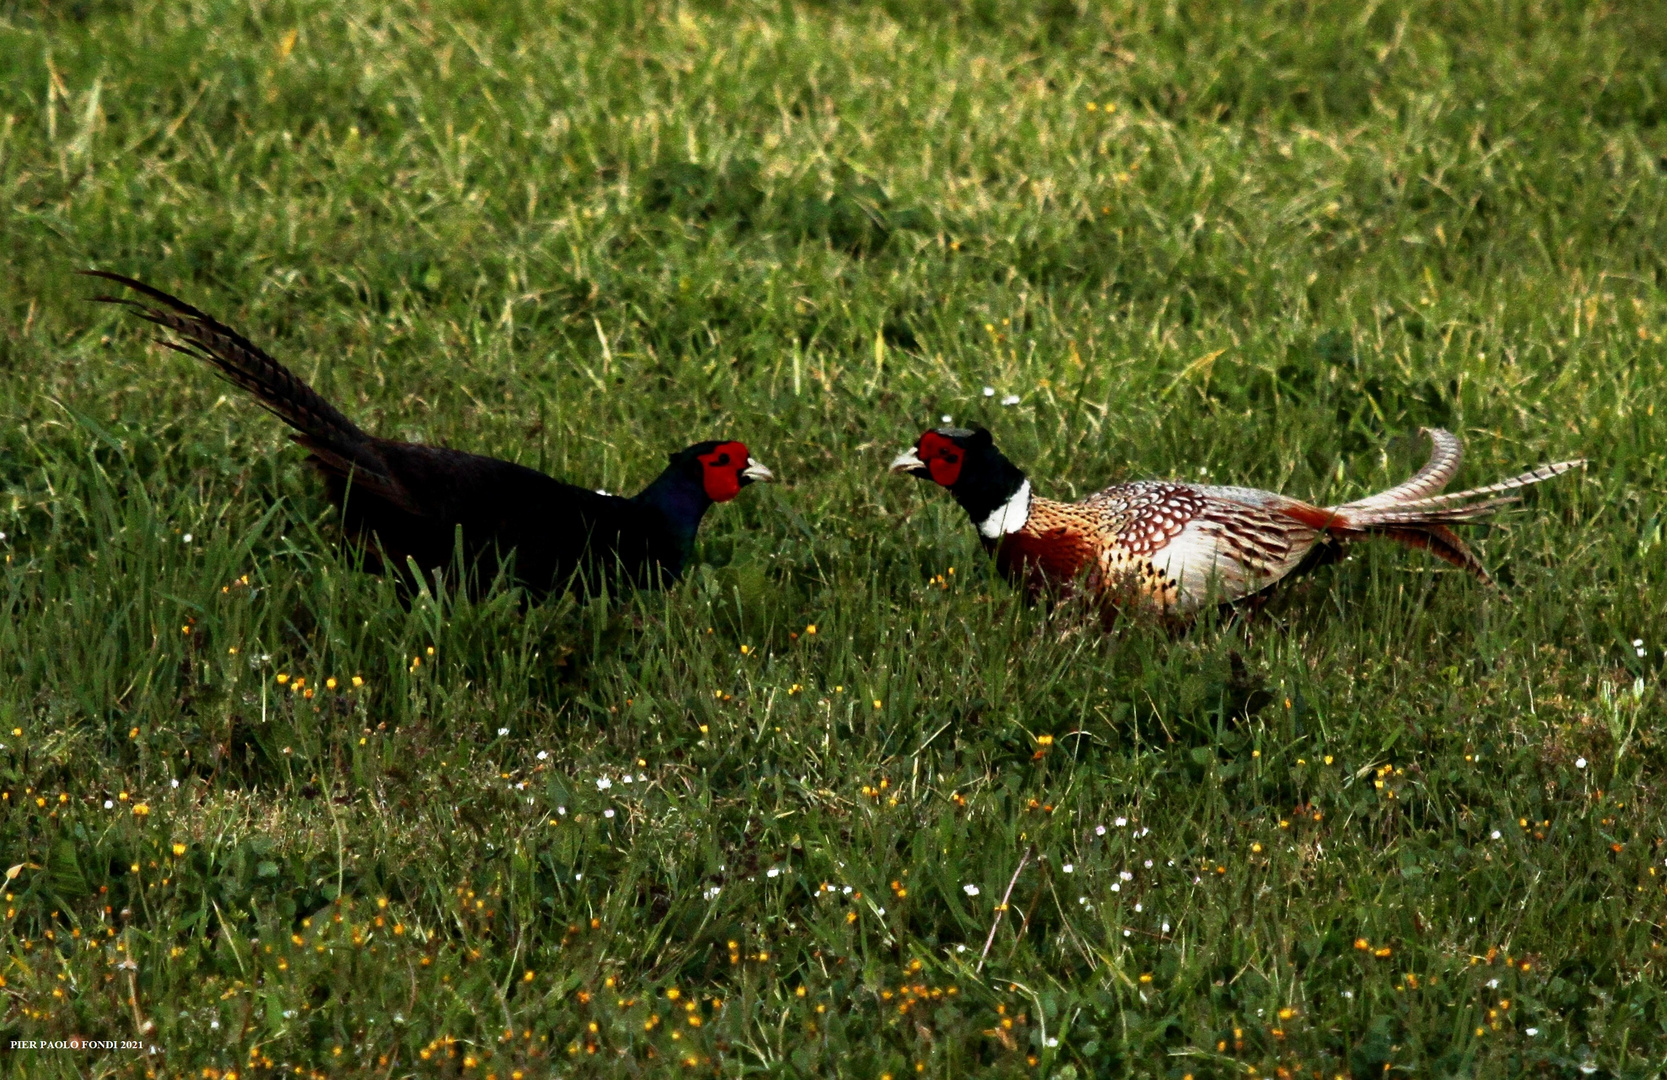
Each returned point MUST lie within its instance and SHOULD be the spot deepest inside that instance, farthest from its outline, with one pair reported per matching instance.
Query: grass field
(267, 820)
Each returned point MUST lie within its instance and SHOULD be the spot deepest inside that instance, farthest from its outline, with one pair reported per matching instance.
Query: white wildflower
(989, 391)
(603, 784)
(502, 732)
(608, 813)
(1580, 763)
(1069, 868)
(970, 890)
(1010, 399)
(542, 754)
(1099, 830)
(1120, 822)
(774, 871)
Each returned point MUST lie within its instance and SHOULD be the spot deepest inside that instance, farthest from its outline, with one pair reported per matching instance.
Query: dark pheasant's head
(696, 477)
(993, 490)
(721, 469)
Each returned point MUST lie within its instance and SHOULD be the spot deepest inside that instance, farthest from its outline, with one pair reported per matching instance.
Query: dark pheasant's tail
(338, 443)
(1416, 514)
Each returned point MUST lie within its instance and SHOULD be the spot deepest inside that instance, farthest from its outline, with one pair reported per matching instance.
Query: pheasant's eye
(949, 457)
(723, 459)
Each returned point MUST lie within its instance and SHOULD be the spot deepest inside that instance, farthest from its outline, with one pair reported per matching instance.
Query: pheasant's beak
(755, 470)
(909, 462)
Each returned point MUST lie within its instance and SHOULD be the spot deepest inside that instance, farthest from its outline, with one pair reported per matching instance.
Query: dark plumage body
(408, 503)
(554, 528)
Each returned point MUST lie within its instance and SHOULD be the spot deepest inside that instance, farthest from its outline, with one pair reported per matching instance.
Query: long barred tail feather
(1521, 480)
(1414, 515)
(339, 444)
(1446, 455)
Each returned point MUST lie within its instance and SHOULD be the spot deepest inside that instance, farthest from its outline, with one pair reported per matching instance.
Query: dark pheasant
(1171, 547)
(408, 503)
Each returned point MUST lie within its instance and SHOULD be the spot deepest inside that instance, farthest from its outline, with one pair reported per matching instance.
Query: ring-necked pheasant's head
(946, 455)
(992, 489)
(724, 468)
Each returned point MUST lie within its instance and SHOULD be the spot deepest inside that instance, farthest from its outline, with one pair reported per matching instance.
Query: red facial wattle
(942, 458)
(721, 469)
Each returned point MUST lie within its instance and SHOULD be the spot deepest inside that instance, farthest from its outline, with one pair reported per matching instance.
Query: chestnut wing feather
(1183, 543)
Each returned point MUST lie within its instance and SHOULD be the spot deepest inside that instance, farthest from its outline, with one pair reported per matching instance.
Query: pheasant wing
(1183, 544)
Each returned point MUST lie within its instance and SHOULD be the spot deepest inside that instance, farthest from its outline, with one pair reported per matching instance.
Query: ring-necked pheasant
(405, 501)
(1171, 547)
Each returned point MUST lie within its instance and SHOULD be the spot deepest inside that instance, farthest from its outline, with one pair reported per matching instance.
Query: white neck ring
(1009, 517)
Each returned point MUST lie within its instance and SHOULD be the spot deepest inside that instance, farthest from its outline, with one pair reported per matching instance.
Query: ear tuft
(981, 437)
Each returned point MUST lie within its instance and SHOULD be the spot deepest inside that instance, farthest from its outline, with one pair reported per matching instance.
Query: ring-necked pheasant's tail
(339, 444)
(1413, 515)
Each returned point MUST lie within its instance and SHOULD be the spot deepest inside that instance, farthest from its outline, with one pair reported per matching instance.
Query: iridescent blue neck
(682, 500)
